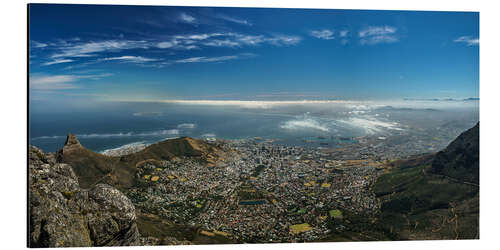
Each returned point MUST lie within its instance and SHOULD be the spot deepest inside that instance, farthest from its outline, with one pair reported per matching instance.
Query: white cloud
(280, 40)
(65, 51)
(371, 125)
(230, 39)
(254, 104)
(35, 44)
(234, 20)
(378, 34)
(69, 50)
(323, 34)
(187, 18)
(57, 61)
(55, 82)
(343, 33)
(470, 41)
(88, 49)
(206, 59)
(165, 45)
(379, 39)
(304, 124)
(203, 59)
(134, 59)
(377, 30)
(249, 39)
(222, 43)
(197, 36)
(186, 126)
(52, 82)
(185, 42)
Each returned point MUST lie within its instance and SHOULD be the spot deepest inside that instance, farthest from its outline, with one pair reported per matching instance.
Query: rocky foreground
(61, 214)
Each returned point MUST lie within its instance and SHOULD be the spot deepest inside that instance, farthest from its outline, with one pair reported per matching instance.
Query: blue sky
(130, 53)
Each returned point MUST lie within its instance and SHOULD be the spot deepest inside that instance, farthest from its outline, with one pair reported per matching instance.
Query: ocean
(110, 125)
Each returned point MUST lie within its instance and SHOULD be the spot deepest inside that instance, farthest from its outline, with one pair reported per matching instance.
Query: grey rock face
(64, 215)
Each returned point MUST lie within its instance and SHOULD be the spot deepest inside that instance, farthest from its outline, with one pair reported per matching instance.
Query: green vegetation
(300, 228)
(68, 195)
(418, 205)
(398, 180)
(335, 213)
(302, 211)
(257, 170)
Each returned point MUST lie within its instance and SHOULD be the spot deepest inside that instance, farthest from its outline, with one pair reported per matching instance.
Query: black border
(27, 125)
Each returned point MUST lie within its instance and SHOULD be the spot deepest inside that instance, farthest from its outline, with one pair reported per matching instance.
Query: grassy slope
(419, 205)
(92, 167)
(433, 198)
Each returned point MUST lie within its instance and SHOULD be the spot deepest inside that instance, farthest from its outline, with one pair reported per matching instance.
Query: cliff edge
(61, 214)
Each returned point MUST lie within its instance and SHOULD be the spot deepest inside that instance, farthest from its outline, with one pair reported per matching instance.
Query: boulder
(61, 214)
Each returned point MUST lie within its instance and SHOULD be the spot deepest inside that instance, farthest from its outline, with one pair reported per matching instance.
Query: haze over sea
(107, 125)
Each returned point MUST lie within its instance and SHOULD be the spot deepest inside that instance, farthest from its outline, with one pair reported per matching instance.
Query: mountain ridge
(119, 171)
(433, 196)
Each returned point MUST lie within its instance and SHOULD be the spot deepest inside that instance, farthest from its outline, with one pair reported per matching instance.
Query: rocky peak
(72, 140)
(62, 214)
(71, 145)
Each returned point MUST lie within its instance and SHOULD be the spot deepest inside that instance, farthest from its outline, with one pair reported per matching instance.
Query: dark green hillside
(433, 201)
(460, 160)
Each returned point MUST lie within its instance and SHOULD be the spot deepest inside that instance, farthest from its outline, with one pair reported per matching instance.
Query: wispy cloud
(60, 82)
(323, 34)
(206, 59)
(280, 40)
(230, 39)
(35, 44)
(88, 49)
(183, 17)
(470, 41)
(343, 33)
(53, 82)
(84, 53)
(378, 34)
(132, 59)
(234, 20)
(222, 43)
(203, 59)
(57, 61)
(254, 104)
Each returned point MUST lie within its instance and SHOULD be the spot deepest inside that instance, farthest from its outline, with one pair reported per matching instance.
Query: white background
(13, 130)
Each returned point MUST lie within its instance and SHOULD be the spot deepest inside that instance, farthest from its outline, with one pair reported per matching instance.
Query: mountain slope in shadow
(438, 199)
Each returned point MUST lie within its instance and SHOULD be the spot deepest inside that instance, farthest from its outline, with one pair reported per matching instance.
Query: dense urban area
(256, 190)
(261, 191)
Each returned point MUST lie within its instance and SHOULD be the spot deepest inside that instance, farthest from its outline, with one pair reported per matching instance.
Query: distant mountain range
(441, 99)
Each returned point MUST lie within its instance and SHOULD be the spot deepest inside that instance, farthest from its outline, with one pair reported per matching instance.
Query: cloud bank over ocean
(111, 135)
(371, 125)
(254, 104)
(304, 124)
(290, 121)
(186, 126)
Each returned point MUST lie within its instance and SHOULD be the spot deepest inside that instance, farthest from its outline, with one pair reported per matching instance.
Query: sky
(148, 53)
